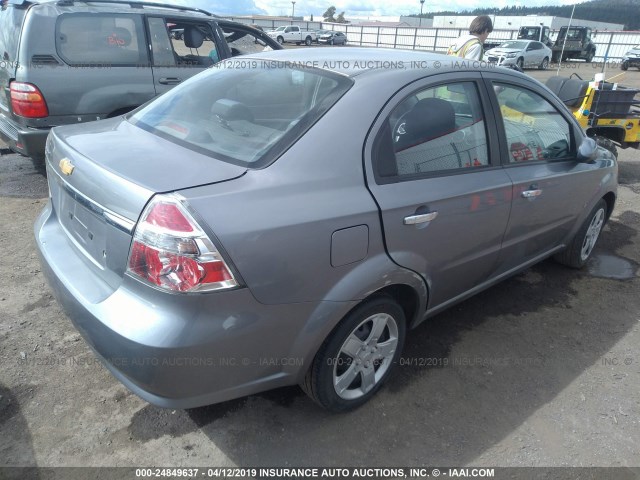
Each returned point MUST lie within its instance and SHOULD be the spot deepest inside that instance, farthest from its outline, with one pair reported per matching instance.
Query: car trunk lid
(99, 194)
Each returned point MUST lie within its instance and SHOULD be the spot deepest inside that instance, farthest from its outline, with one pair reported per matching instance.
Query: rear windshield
(244, 112)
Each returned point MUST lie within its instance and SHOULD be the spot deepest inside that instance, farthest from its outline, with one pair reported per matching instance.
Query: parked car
(177, 33)
(631, 58)
(207, 249)
(333, 38)
(65, 62)
(521, 53)
(293, 34)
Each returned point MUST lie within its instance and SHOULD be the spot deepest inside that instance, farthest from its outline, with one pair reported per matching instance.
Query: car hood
(503, 51)
(633, 51)
(120, 149)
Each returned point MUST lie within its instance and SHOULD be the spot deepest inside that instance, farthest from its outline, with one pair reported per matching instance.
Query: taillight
(170, 250)
(27, 100)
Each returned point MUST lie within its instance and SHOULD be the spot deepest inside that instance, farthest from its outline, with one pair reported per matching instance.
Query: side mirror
(587, 150)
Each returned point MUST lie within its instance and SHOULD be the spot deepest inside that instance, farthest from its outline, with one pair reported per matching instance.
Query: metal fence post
(435, 41)
(415, 35)
(378, 38)
(395, 39)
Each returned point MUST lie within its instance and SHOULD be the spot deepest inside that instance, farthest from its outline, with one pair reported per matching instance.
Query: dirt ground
(541, 370)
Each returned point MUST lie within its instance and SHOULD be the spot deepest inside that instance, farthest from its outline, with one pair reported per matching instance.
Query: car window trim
(424, 83)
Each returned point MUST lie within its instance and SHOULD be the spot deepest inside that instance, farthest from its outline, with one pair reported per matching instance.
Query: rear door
(434, 170)
(534, 54)
(550, 187)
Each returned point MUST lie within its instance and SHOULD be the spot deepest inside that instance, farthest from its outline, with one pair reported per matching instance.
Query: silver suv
(67, 62)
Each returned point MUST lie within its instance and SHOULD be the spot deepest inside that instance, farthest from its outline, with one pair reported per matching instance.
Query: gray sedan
(333, 38)
(523, 53)
(272, 224)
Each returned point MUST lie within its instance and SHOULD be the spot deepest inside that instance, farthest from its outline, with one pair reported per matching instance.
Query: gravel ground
(541, 370)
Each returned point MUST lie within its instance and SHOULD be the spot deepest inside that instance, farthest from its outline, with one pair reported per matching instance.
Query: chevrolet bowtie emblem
(66, 166)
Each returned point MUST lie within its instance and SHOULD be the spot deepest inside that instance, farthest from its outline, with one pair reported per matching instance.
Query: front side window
(88, 39)
(437, 129)
(535, 129)
(242, 40)
(246, 116)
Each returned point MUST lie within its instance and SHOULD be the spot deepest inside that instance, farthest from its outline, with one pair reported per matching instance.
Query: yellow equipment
(604, 109)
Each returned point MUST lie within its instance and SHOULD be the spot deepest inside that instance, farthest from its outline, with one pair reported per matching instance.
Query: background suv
(67, 62)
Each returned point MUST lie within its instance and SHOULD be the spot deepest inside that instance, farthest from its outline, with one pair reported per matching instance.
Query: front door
(541, 161)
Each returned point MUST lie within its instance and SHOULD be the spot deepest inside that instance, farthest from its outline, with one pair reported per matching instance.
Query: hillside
(626, 12)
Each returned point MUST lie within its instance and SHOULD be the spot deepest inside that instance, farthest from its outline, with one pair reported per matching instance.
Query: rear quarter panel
(276, 224)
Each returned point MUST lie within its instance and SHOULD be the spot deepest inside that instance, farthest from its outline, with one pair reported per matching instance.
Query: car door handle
(531, 193)
(169, 81)
(423, 218)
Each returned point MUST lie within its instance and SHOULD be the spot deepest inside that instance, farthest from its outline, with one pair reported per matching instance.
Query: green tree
(341, 18)
(329, 15)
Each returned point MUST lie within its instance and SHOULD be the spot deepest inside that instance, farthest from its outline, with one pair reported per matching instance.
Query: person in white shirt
(471, 46)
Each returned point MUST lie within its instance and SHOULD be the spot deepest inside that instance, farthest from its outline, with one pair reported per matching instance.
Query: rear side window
(435, 130)
(246, 116)
(10, 25)
(96, 39)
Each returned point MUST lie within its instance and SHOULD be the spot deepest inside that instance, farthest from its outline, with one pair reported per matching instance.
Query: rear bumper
(180, 351)
(27, 141)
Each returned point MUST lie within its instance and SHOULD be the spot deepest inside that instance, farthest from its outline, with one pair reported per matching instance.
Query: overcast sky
(353, 7)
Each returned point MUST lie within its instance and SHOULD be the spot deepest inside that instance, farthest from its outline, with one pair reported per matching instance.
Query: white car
(522, 53)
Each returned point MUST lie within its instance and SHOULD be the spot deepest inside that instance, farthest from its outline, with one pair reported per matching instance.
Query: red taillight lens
(27, 100)
(171, 251)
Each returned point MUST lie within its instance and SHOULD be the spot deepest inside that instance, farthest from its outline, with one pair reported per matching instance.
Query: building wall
(509, 22)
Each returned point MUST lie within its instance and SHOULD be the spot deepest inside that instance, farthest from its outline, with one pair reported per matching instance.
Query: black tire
(607, 143)
(280, 40)
(307, 41)
(331, 42)
(579, 250)
(624, 65)
(555, 57)
(589, 57)
(331, 363)
(545, 64)
(520, 63)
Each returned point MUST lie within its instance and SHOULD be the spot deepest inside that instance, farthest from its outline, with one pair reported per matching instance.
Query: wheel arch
(405, 287)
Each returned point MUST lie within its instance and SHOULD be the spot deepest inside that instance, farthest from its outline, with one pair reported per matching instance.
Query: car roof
(357, 61)
(119, 6)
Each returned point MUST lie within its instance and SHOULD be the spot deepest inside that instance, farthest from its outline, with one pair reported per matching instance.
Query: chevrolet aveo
(290, 218)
